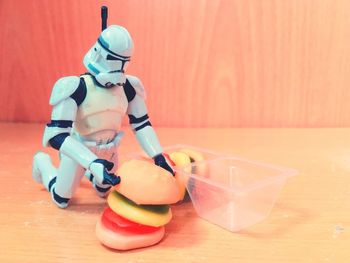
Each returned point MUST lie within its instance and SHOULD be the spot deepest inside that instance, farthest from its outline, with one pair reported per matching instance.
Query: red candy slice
(115, 222)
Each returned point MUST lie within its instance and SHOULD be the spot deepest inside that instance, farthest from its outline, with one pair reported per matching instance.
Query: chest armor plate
(101, 110)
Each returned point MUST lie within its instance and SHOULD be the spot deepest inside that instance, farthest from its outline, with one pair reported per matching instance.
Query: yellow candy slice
(181, 160)
(200, 169)
(150, 215)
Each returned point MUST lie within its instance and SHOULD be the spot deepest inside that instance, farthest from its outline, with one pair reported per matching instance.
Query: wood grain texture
(309, 223)
(227, 63)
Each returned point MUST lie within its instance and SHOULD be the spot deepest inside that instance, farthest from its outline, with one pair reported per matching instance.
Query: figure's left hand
(161, 161)
(100, 169)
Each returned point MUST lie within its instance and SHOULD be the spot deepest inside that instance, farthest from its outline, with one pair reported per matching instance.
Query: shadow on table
(81, 207)
(281, 221)
(184, 229)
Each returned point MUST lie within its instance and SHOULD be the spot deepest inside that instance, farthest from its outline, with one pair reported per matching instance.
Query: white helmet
(109, 57)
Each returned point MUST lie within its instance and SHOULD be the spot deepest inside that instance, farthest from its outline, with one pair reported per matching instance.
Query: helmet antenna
(104, 16)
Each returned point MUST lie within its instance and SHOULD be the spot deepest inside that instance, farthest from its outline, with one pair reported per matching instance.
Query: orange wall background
(229, 63)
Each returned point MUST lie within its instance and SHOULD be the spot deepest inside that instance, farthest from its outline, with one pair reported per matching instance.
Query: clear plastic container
(229, 191)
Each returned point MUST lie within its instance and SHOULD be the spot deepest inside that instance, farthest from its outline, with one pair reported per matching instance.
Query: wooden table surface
(309, 223)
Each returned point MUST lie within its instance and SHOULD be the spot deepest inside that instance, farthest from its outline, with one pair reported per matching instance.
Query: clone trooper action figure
(86, 120)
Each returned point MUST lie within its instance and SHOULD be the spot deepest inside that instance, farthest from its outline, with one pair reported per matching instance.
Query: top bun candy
(147, 184)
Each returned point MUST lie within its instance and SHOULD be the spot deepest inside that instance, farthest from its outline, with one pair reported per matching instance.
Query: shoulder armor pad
(137, 85)
(63, 88)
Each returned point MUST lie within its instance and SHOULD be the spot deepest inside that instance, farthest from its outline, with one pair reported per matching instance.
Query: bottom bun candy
(123, 240)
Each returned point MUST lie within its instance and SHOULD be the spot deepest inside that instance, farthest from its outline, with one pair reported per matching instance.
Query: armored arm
(140, 122)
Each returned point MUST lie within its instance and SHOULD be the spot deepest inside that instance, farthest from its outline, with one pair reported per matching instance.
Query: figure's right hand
(100, 169)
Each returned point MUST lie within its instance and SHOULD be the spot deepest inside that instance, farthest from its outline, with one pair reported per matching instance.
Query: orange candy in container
(138, 208)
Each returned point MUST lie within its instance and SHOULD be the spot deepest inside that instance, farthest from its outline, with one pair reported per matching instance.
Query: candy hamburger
(138, 208)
